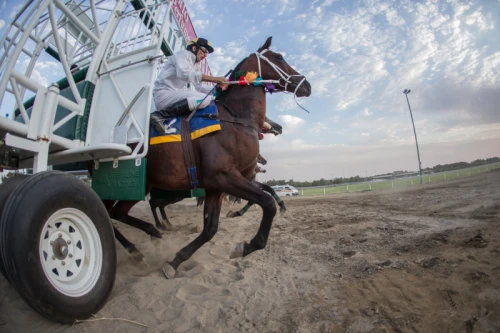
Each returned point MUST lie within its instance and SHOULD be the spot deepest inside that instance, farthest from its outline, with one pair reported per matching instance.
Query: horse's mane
(231, 78)
(237, 68)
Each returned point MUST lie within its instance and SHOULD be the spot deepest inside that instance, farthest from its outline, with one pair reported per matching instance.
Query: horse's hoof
(161, 227)
(168, 270)
(155, 233)
(170, 228)
(137, 256)
(238, 251)
(282, 210)
(233, 214)
(196, 229)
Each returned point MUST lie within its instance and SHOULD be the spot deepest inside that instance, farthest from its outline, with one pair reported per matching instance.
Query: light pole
(406, 92)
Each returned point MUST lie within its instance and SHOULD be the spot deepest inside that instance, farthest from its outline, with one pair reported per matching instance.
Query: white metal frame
(128, 42)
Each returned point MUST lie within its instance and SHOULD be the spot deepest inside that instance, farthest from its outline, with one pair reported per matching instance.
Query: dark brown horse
(225, 159)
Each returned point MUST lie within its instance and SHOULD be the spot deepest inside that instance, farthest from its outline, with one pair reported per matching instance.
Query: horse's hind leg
(120, 212)
(276, 197)
(211, 212)
(240, 212)
(130, 247)
(164, 224)
(153, 206)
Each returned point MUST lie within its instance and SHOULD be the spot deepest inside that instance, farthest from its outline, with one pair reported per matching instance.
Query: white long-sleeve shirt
(179, 70)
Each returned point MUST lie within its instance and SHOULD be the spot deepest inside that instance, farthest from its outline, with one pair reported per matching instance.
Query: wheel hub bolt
(63, 263)
(60, 235)
(70, 255)
(51, 242)
(53, 257)
(69, 241)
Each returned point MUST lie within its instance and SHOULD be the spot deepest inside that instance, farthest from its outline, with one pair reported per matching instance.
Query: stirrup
(156, 120)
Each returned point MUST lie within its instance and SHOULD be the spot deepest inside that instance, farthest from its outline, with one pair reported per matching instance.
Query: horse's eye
(279, 57)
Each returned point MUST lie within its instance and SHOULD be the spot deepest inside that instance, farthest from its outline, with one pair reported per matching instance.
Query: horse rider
(170, 95)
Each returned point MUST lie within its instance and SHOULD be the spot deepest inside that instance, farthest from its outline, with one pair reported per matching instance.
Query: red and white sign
(182, 17)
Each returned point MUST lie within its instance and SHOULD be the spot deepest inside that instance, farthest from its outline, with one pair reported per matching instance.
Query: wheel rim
(71, 252)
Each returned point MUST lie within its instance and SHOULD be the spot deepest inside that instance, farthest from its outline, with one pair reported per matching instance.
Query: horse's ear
(266, 45)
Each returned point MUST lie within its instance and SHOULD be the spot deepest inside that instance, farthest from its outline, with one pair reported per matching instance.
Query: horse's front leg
(211, 212)
(235, 184)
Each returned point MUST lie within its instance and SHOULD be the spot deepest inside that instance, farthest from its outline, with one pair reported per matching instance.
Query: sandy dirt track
(422, 259)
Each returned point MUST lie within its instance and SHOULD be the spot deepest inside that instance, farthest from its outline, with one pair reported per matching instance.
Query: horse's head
(272, 66)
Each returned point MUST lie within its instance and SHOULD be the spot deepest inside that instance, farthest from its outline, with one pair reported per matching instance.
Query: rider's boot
(179, 108)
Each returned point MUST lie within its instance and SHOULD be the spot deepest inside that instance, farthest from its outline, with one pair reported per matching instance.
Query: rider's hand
(223, 86)
(219, 80)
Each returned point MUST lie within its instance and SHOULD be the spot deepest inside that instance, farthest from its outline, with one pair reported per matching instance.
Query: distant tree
(355, 179)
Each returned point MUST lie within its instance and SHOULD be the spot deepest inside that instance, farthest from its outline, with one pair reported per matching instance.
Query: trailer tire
(57, 246)
(6, 188)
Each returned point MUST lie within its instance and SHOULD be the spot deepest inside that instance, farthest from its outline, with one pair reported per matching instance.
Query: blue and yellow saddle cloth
(199, 126)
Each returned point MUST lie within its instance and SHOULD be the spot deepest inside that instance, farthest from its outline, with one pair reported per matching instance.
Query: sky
(359, 56)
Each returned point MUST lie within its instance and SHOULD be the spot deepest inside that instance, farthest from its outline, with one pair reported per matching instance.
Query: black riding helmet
(200, 42)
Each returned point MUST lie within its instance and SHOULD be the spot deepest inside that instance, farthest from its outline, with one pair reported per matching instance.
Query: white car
(285, 190)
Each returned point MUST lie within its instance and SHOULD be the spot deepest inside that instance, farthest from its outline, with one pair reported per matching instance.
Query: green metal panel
(125, 182)
(82, 122)
(63, 83)
(75, 128)
(157, 193)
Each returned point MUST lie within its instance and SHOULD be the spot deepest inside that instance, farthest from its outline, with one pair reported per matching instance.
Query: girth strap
(231, 118)
(187, 147)
(237, 120)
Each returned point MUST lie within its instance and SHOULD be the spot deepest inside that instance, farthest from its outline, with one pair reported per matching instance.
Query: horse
(160, 204)
(226, 159)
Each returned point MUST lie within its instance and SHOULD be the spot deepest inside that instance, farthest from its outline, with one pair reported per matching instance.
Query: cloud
(366, 112)
(285, 7)
(44, 72)
(228, 56)
(2, 23)
(462, 104)
(15, 10)
(318, 127)
(195, 6)
(201, 24)
(290, 123)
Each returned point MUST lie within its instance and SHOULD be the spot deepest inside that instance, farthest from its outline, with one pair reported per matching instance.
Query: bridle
(284, 77)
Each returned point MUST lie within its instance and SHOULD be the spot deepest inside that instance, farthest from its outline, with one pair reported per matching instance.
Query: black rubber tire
(6, 188)
(28, 208)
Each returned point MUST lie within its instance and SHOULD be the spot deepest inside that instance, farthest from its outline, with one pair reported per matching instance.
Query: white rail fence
(396, 182)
